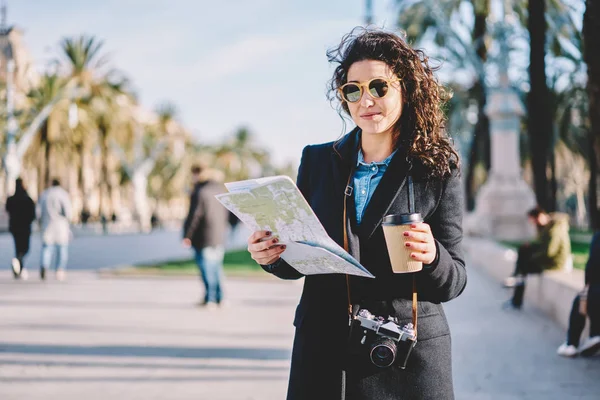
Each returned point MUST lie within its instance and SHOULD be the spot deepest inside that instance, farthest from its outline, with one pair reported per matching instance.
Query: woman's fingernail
(407, 244)
(413, 256)
(275, 240)
(268, 233)
(283, 246)
(406, 234)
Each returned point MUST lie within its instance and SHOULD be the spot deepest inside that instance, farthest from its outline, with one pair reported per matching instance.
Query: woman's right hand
(263, 248)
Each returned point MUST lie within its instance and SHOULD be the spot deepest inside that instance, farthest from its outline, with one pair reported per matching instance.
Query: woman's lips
(369, 115)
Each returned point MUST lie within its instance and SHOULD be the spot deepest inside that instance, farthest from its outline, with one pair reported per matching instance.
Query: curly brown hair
(422, 122)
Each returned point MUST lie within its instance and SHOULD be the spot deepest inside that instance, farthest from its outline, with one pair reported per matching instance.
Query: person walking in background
(551, 250)
(55, 214)
(205, 230)
(586, 303)
(21, 212)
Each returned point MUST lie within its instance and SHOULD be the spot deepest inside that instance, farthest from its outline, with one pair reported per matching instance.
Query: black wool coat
(21, 211)
(320, 346)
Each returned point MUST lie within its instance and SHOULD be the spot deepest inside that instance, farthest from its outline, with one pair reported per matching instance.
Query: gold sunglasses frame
(365, 85)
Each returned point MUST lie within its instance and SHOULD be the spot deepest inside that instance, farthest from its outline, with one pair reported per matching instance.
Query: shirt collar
(361, 159)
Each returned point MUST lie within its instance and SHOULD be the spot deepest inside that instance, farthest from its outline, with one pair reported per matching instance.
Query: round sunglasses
(377, 88)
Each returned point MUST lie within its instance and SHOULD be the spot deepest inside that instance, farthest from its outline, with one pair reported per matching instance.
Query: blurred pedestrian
(85, 216)
(586, 303)
(550, 251)
(55, 214)
(21, 211)
(205, 230)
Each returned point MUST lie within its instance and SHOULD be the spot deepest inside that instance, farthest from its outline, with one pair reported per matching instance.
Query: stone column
(503, 201)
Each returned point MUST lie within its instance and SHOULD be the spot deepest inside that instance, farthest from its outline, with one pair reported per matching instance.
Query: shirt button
(364, 192)
(374, 168)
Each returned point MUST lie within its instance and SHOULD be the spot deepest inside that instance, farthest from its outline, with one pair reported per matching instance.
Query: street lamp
(368, 12)
(12, 164)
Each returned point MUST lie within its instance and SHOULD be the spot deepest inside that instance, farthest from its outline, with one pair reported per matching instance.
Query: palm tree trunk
(40, 179)
(480, 146)
(44, 164)
(539, 124)
(47, 156)
(553, 180)
(591, 31)
(85, 205)
(104, 170)
(480, 152)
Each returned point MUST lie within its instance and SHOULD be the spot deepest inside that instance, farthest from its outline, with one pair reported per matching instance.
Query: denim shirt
(366, 179)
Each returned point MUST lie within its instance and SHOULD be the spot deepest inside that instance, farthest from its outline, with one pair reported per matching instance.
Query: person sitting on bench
(550, 251)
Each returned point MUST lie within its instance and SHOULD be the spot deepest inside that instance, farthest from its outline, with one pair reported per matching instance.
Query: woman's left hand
(420, 241)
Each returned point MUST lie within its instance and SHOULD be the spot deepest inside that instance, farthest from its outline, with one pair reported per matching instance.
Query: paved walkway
(91, 338)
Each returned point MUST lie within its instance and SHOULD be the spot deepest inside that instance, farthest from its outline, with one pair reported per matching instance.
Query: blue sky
(257, 63)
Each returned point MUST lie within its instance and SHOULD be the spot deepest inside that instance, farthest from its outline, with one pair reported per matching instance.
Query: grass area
(236, 262)
(579, 249)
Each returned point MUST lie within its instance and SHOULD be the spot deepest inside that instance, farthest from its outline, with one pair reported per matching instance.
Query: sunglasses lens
(351, 93)
(378, 88)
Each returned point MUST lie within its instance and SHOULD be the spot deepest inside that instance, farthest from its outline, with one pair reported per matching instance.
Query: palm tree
(422, 17)
(50, 86)
(112, 109)
(167, 117)
(83, 59)
(442, 22)
(240, 158)
(103, 89)
(539, 126)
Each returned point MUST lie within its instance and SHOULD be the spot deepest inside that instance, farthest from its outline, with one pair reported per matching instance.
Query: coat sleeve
(593, 261)
(280, 268)
(32, 214)
(194, 221)
(67, 207)
(446, 277)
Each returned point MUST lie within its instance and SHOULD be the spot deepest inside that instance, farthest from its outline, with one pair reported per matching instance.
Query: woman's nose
(366, 100)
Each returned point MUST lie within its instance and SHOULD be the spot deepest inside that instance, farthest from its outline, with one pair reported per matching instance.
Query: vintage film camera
(385, 341)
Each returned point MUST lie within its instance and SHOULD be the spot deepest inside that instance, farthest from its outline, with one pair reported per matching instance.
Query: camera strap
(411, 207)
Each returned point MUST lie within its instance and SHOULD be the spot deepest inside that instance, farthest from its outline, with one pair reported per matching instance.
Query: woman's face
(375, 116)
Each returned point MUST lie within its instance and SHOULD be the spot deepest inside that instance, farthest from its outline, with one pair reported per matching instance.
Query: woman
(21, 211)
(391, 94)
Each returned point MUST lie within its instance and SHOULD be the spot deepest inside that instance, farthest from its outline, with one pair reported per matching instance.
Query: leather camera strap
(347, 192)
(411, 208)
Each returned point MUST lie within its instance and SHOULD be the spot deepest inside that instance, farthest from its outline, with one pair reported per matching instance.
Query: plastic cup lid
(402, 219)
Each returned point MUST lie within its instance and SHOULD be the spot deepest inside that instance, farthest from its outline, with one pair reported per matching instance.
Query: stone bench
(552, 291)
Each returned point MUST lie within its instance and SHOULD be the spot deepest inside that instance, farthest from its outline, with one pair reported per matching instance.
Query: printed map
(276, 204)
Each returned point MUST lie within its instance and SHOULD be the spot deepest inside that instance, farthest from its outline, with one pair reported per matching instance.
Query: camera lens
(383, 352)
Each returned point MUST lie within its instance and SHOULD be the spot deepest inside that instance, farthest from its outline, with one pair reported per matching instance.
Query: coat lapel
(388, 189)
(343, 157)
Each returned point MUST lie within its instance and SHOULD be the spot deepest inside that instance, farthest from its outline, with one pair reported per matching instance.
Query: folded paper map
(275, 204)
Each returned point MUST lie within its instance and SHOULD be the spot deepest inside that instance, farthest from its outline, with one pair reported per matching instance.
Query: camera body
(386, 341)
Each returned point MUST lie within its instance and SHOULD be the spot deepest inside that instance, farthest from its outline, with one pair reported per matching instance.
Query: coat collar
(388, 189)
(345, 155)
